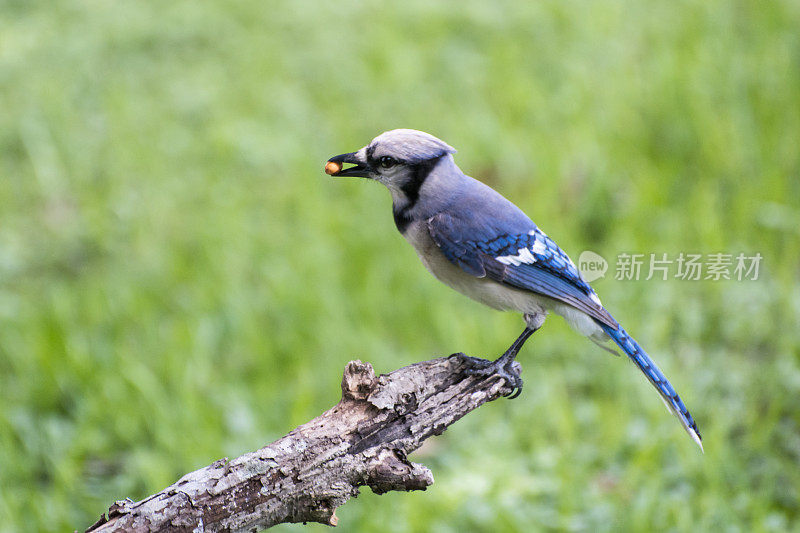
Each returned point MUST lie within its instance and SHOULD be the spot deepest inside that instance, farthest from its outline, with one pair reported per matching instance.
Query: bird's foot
(504, 367)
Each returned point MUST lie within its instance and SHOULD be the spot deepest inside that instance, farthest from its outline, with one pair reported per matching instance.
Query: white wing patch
(524, 255)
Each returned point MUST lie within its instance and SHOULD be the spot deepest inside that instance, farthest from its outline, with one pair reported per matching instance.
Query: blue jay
(480, 244)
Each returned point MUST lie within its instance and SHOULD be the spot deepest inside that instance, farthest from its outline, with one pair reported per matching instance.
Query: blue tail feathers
(657, 378)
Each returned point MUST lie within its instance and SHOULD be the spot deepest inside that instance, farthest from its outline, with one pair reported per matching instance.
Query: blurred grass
(180, 282)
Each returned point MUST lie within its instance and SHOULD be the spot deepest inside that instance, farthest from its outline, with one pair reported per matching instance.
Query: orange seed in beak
(332, 168)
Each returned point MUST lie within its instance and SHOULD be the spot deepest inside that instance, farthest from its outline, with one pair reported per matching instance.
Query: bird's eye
(388, 162)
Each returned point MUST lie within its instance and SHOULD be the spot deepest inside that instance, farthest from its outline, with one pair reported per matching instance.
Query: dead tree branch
(303, 477)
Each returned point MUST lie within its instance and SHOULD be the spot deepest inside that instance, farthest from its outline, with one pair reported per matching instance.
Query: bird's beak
(335, 164)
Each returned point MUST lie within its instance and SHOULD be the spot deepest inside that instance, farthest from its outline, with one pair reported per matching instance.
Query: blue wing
(520, 257)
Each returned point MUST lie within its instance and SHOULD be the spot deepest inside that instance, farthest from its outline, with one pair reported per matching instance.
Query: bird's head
(400, 159)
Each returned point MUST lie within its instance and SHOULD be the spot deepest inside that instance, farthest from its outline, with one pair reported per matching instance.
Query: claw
(504, 368)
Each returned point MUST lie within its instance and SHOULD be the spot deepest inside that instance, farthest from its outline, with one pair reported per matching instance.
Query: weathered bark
(303, 477)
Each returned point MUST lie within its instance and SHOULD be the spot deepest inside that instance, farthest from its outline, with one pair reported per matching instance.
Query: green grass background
(179, 281)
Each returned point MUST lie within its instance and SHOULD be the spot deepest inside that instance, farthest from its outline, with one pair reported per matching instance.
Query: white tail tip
(696, 438)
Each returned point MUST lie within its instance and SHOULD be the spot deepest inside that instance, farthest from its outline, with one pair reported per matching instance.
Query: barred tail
(657, 378)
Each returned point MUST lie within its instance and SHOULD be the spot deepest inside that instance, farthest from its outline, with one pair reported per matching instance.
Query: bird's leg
(504, 366)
